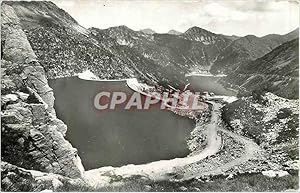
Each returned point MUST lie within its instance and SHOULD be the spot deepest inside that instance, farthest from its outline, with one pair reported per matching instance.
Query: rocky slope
(275, 72)
(249, 48)
(272, 122)
(31, 135)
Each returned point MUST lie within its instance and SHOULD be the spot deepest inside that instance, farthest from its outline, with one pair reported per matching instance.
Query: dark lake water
(117, 137)
(208, 84)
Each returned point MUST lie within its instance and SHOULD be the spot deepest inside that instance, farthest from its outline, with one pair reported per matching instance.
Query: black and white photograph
(150, 96)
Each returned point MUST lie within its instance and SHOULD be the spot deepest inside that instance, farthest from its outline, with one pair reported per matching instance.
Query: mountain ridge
(148, 31)
(120, 52)
(248, 48)
(174, 32)
(275, 72)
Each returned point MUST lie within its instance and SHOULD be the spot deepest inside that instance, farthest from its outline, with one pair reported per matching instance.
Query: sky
(230, 17)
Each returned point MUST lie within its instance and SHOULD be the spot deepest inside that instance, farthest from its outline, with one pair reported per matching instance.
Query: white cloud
(240, 17)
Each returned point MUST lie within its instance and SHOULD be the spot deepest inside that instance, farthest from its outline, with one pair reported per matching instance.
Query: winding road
(165, 169)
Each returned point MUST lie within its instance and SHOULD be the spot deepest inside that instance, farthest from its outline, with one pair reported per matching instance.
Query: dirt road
(250, 148)
(164, 169)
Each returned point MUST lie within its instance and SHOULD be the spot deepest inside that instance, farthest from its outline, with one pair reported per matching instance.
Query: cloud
(240, 17)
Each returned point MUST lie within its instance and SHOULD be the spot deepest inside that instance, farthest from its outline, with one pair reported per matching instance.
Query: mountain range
(65, 48)
(276, 72)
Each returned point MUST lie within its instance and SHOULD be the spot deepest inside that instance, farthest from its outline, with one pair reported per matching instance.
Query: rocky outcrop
(17, 179)
(18, 56)
(32, 137)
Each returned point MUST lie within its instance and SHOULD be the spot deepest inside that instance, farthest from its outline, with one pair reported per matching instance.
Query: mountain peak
(196, 29)
(121, 28)
(247, 39)
(174, 32)
(148, 31)
(250, 37)
(201, 35)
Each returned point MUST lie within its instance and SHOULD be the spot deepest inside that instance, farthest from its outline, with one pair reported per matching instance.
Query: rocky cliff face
(32, 137)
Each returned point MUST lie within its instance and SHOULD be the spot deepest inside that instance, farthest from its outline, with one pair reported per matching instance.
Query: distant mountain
(248, 48)
(205, 37)
(174, 32)
(65, 48)
(148, 31)
(175, 54)
(232, 37)
(275, 72)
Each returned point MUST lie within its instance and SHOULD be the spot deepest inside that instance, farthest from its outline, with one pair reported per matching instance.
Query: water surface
(208, 84)
(117, 137)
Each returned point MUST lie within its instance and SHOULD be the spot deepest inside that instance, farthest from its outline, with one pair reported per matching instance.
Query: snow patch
(10, 97)
(81, 30)
(46, 190)
(147, 55)
(230, 99)
(272, 173)
(87, 75)
(137, 86)
(124, 42)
